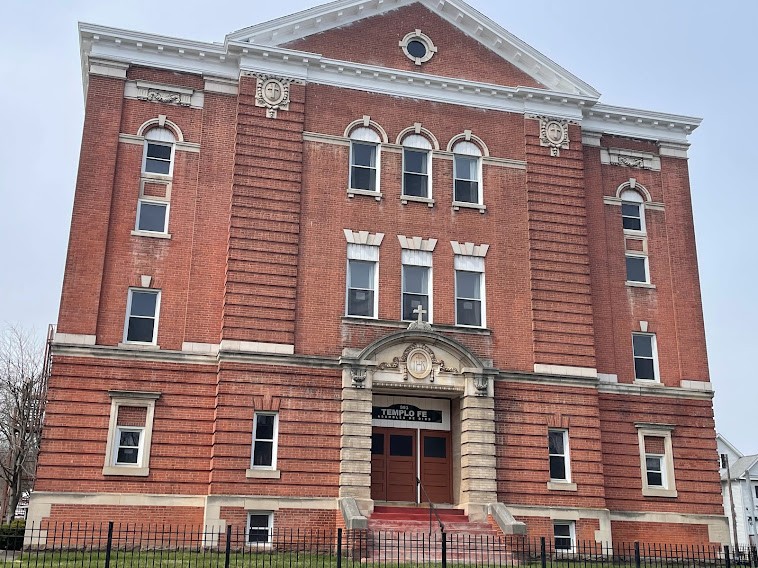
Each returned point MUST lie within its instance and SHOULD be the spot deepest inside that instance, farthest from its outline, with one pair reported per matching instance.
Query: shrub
(12, 535)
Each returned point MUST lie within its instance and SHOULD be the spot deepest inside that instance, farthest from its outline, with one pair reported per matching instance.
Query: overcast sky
(678, 56)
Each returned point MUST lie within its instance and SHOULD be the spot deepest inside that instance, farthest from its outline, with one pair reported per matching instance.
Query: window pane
(632, 224)
(415, 185)
(410, 301)
(466, 168)
(643, 345)
(562, 530)
(154, 166)
(435, 447)
(644, 369)
(555, 442)
(361, 274)
(469, 312)
(140, 329)
(152, 217)
(414, 162)
(630, 210)
(259, 521)
(466, 191)
(143, 303)
(401, 445)
(360, 303)
(363, 178)
(263, 453)
(653, 464)
(264, 428)
(129, 439)
(159, 151)
(415, 279)
(654, 479)
(562, 543)
(127, 455)
(635, 269)
(416, 48)
(377, 444)
(467, 284)
(364, 155)
(557, 467)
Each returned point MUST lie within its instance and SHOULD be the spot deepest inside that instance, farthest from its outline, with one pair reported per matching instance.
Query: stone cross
(420, 311)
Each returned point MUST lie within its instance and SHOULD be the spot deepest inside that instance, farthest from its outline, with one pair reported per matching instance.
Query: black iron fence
(132, 546)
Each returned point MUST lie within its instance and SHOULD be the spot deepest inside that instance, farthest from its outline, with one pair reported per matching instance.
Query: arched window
(633, 211)
(364, 159)
(417, 165)
(159, 152)
(467, 172)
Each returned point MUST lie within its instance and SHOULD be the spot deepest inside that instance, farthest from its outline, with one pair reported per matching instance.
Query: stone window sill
(263, 474)
(658, 492)
(404, 199)
(126, 470)
(648, 383)
(140, 346)
(375, 194)
(458, 204)
(632, 284)
(151, 234)
(561, 486)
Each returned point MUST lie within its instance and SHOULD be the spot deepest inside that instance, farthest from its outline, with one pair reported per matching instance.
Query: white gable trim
(457, 12)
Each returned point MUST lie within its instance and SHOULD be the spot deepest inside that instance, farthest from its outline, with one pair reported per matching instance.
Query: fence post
(109, 545)
(727, 557)
(339, 548)
(637, 560)
(444, 549)
(543, 552)
(228, 547)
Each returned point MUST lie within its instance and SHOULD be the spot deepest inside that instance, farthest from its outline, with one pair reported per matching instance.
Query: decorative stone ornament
(358, 376)
(553, 134)
(481, 383)
(419, 361)
(419, 364)
(163, 94)
(420, 324)
(418, 47)
(272, 94)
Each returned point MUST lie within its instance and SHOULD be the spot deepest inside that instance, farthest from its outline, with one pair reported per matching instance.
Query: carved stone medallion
(419, 361)
(419, 364)
(553, 133)
(272, 94)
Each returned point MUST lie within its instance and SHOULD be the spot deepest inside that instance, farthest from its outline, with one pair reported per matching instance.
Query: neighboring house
(743, 477)
(370, 242)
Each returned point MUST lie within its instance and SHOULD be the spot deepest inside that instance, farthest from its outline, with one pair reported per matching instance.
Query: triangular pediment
(517, 63)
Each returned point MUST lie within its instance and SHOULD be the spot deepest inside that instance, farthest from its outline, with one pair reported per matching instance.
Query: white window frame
(137, 399)
(565, 455)
(482, 299)
(656, 370)
(632, 197)
(270, 528)
(418, 143)
(369, 137)
(644, 257)
(362, 253)
(158, 142)
(469, 150)
(572, 536)
(422, 259)
(149, 201)
(156, 317)
(667, 462)
(275, 441)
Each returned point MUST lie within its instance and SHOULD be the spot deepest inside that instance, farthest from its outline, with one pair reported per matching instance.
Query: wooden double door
(399, 456)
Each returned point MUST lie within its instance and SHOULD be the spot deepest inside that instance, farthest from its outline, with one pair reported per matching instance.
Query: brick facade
(252, 279)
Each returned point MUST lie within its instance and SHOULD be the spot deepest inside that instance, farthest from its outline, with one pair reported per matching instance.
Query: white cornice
(635, 123)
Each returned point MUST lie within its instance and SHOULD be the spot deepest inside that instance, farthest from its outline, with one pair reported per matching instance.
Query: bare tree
(24, 366)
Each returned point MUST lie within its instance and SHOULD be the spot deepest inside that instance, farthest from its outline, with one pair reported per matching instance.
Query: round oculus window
(416, 49)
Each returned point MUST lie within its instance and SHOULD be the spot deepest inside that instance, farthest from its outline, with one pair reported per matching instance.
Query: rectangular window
(565, 535)
(631, 216)
(468, 298)
(656, 460)
(265, 433)
(259, 527)
(158, 158)
(636, 269)
(466, 174)
(129, 433)
(645, 356)
(415, 291)
(415, 173)
(654, 470)
(152, 216)
(557, 441)
(361, 288)
(142, 311)
(363, 166)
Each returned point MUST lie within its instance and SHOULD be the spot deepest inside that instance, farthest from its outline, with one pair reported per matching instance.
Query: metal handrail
(432, 508)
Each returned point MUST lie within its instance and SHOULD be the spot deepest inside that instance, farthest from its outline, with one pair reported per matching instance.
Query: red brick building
(255, 226)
